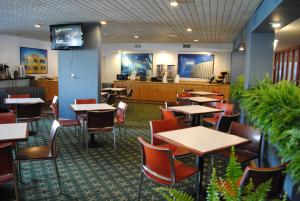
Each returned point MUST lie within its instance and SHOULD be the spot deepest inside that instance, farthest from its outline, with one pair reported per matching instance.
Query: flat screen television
(66, 37)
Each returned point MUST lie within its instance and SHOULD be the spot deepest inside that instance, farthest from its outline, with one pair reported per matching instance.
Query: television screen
(66, 36)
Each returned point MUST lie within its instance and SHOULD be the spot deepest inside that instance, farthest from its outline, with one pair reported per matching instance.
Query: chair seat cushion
(211, 120)
(242, 155)
(69, 122)
(182, 171)
(32, 153)
(6, 178)
(176, 151)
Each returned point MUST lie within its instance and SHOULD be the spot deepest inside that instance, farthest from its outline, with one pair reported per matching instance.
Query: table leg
(92, 142)
(199, 178)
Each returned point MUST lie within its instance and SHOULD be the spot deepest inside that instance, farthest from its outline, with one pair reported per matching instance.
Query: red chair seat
(211, 120)
(176, 151)
(69, 122)
(6, 178)
(241, 155)
(182, 171)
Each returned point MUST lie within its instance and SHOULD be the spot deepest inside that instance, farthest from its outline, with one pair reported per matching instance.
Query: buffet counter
(159, 92)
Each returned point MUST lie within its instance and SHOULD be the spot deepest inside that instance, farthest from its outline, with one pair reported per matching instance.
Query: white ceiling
(152, 20)
(288, 36)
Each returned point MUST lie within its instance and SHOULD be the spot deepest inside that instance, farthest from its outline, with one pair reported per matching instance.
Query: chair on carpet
(99, 122)
(111, 99)
(38, 153)
(227, 110)
(121, 116)
(225, 121)
(167, 125)
(7, 167)
(64, 122)
(182, 97)
(159, 166)
(168, 114)
(246, 152)
(214, 104)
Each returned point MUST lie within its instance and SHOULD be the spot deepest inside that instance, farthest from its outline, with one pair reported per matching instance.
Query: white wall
(163, 53)
(10, 52)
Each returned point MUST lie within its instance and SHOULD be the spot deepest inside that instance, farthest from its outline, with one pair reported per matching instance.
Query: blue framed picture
(34, 60)
(138, 62)
(195, 65)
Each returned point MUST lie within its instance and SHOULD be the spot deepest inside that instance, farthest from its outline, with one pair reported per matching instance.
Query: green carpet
(98, 174)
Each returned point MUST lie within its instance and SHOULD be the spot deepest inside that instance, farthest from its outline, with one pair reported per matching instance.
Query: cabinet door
(136, 91)
(162, 92)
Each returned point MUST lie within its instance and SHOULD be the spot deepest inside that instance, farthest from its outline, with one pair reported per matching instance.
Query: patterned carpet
(100, 174)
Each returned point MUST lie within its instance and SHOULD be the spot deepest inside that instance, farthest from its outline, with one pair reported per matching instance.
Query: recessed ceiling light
(189, 29)
(172, 35)
(174, 3)
(135, 36)
(275, 24)
(37, 26)
(103, 22)
(196, 40)
(241, 48)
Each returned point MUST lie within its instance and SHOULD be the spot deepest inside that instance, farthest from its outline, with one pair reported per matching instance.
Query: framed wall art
(35, 61)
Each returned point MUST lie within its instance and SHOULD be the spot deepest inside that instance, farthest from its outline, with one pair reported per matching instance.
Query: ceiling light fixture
(174, 3)
(135, 36)
(242, 47)
(103, 22)
(189, 30)
(196, 40)
(275, 43)
(37, 26)
(275, 24)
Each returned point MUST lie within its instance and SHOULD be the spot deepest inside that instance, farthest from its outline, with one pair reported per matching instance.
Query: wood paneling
(160, 92)
(50, 87)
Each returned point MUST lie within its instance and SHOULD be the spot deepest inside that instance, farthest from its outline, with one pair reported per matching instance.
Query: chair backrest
(111, 99)
(85, 101)
(121, 111)
(7, 118)
(250, 133)
(100, 119)
(226, 107)
(55, 99)
(225, 121)
(261, 175)
(53, 132)
(214, 104)
(6, 155)
(28, 110)
(18, 95)
(129, 93)
(172, 104)
(55, 110)
(161, 126)
(183, 95)
(157, 162)
(166, 114)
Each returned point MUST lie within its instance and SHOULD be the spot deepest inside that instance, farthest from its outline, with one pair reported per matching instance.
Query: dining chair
(121, 116)
(177, 103)
(111, 99)
(64, 122)
(181, 97)
(168, 114)
(127, 96)
(159, 166)
(83, 115)
(260, 175)
(29, 113)
(12, 107)
(7, 118)
(38, 153)
(246, 152)
(227, 110)
(188, 90)
(214, 104)
(225, 121)
(167, 125)
(7, 167)
(100, 122)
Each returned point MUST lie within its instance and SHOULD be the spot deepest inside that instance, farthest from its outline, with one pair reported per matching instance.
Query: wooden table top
(202, 93)
(13, 132)
(194, 109)
(201, 140)
(23, 100)
(89, 107)
(200, 99)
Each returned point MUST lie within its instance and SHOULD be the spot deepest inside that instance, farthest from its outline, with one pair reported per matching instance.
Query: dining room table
(195, 112)
(202, 100)
(14, 101)
(202, 142)
(202, 93)
(82, 108)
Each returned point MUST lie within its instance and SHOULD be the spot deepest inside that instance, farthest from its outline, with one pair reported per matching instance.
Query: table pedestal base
(92, 143)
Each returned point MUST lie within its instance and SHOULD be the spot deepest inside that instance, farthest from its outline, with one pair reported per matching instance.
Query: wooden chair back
(28, 111)
(100, 119)
(7, 118)
(225, 121)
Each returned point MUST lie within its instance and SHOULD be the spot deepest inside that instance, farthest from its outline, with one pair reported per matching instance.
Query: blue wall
(85, 64)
